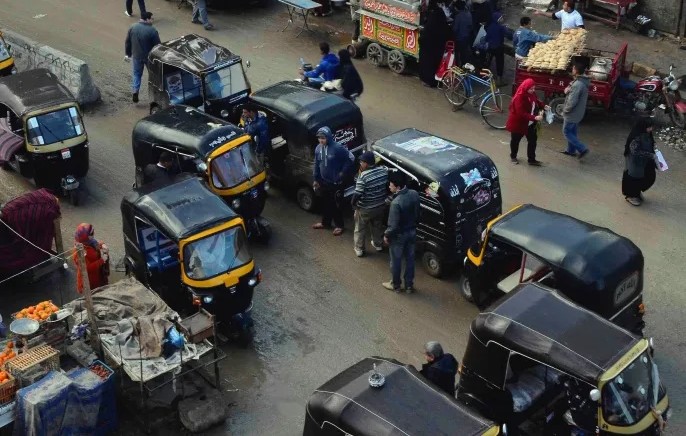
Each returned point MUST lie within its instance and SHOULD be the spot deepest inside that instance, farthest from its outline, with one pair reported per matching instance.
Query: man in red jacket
(523, 120)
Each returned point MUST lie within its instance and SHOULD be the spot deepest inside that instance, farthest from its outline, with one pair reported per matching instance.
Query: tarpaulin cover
(31, 215)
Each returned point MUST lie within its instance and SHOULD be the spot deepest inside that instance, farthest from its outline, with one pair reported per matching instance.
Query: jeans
(402, 245)
(368, 219)
(571, 130)
(137, 66)
(531, 139)
(200, 12)
(129, 6)
(331, 205)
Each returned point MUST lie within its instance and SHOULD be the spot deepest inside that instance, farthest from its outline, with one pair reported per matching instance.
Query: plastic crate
(8, 390)
(44, 356)
(102, 364)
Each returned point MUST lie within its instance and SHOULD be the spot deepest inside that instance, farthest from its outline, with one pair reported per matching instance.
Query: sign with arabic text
(388, 10)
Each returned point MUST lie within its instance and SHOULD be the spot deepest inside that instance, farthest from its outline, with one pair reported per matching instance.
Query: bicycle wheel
(495, 110)
(454, 91)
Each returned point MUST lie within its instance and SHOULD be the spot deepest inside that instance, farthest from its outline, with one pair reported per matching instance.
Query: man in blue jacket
(525, 38)
(255, 124)
(332, 164)
(463, 32)
(495, 38)
(327, 70)
(140, 40)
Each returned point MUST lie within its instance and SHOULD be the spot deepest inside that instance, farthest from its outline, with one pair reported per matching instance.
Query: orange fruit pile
(39, 312)
(4, 376)
(7, 355)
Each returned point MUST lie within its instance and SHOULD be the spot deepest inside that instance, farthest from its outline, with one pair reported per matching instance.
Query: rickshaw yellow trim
(623, 361)
(640, 426)
(242, 187)
(7, 62)
(493, 431)
(476, 260)
(229, 278)
(60, 145)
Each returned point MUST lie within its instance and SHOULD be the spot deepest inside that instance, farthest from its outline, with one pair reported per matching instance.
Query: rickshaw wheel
(245, 337)
(265, 229)
(557, 106)
(396, 61)
(432, 264)
(305, 197)
(376, 55)
(465, 288)
(678, 119)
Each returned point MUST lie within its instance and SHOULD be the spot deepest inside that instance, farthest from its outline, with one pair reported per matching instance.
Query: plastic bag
(480, 40)
(660, 161)
(549, 117)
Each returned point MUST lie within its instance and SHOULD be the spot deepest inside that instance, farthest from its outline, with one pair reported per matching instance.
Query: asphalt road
(320, 308)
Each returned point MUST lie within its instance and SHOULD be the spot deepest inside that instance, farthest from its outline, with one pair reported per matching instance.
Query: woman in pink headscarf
(97, 258)
(523, 120)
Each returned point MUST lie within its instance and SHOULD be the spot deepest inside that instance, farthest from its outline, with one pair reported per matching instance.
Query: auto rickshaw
(591, 265)
(194, 71)
(186, 244)
(215, 149)
(295, 113)
(535, 360)
(42, 134)
(380, 396)
(7, 67)
(459, 191)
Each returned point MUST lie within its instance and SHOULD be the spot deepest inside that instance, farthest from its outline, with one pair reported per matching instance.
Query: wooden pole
(90, 310)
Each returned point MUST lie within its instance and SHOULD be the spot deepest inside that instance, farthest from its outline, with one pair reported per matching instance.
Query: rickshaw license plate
(66, 153)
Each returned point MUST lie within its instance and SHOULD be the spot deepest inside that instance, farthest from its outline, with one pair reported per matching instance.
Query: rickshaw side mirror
(504, 430)
(594, 395)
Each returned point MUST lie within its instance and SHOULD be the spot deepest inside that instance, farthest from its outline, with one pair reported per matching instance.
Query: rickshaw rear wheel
(305, 198)
(432, 263)
(465, 288)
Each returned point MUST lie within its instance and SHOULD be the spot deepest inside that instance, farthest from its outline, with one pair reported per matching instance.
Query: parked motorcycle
(655, 92)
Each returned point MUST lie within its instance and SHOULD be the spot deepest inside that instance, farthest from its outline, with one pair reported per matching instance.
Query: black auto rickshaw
(295, 113)
(380, 396)
(459, 191)
(190, 247)
(591, 265)
(194, 71)
(7, 66)
(42, 135)
(215, 149)
(537, 361)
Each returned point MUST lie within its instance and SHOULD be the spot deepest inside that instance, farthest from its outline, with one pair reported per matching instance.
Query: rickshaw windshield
(54, 126)
(4, 51)
(632, 393)
(235, 166)
(216, 254)
(225, 82)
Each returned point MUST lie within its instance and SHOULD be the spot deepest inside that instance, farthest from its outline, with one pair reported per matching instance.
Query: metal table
(302, 8)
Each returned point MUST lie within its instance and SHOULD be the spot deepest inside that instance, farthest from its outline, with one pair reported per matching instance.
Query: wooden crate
(198, 327)
(8, 390)
(44, 356)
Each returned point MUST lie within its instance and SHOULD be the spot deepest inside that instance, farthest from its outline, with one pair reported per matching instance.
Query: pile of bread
(555, 54)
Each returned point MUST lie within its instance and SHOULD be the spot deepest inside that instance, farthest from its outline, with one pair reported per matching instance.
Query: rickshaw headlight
(668, 415)
(207, 299)
(224, 113)
(14, 70)
(252, 282)
(201, 166)
(266, 186)
(236, 203)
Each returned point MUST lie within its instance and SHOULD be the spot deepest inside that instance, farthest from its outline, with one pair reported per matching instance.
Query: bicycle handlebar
(486, 72)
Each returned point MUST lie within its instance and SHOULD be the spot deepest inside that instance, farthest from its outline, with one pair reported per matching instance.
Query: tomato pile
(100, 371)
(39, 312)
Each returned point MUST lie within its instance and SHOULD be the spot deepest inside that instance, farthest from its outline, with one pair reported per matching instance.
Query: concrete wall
(665, 14)
(72, 72)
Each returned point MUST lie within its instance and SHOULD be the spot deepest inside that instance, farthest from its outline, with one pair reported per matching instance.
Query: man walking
(369, 203)
(142, 37)
(129, 7)
(574, 110)
(401, 232)
(440, 368)
(200, 14)
(332, 164)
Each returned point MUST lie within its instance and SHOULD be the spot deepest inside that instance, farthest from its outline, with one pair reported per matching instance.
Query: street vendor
(569, 17)
(525, 38)
(96, 257)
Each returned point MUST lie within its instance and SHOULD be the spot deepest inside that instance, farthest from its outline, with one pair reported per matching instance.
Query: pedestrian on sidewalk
(639, 155)
(440, 368)
(140, 39)
(129, 7)
(432, 38)
(495, 39)
(525, 38)
(569, 17)
(574, 110)
(200, 14)
(523, 120)
(332, 165)
(463, 32)
(369, 203)
(401, 232)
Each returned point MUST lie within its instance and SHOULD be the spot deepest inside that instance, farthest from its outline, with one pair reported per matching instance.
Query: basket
(103, 366)
(44, 356)
(7, 390)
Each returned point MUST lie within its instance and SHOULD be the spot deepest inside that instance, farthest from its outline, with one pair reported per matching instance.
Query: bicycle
(458, 89)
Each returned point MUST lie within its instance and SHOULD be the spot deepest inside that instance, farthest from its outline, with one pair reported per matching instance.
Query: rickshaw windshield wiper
(656, 382)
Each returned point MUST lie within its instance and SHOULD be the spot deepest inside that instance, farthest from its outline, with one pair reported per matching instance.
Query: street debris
(673, 137)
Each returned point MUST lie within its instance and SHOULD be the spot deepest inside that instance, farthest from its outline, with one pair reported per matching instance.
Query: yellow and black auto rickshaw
(593, 266)
(213, 148)
(538, 362)
(7, 67)
(190, 247)
(42, 134)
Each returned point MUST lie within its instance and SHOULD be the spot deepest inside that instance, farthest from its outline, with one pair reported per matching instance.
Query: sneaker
(128, 14)
(514, 160)
(566, 153)
(390, 287)
(582, 154)
(377, 247)
(634, 201)
(535, 163)
(209, 26)
(196, 21)
(135, 97)
(410, 290)
(359, 253)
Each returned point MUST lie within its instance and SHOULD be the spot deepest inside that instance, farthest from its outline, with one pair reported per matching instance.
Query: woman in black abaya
(639, 155)
(432, 39)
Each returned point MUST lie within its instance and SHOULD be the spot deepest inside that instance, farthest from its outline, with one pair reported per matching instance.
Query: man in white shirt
(569, 17)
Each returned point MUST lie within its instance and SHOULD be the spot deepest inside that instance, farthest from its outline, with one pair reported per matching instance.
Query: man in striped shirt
(369, 202)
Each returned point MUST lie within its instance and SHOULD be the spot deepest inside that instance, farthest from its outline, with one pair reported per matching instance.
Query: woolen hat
(368, 157)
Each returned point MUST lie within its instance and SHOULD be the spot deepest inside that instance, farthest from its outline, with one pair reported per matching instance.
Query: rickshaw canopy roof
(349, 402)
(539, 323)
(33, 89)
(193, 53)
(308, 107)
(434, 159)
(584, 254)
(181, 208)
(186, 128)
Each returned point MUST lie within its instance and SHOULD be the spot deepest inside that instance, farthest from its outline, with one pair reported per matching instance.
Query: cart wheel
(454, 90)
(305, 197)
(396, 61)
(465, 288)
(74, 197)
(432, 263)
(494, 110)
(557, 105)
(678, 119)
(376, 55)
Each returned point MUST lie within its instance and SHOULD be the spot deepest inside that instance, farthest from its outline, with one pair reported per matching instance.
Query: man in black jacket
(440, 368)
(162, 171)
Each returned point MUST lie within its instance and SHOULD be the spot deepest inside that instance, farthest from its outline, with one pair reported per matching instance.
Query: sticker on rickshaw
(432, 189)
(345, 135)
(626, 289)
(472, 177)
(427, 145)
(66, 153)
(222, 140)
